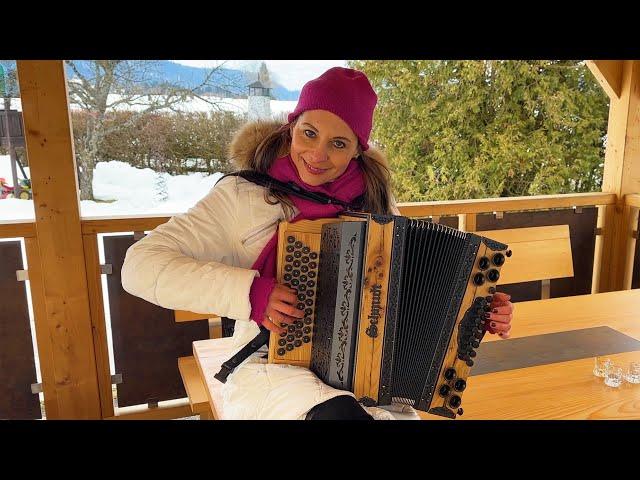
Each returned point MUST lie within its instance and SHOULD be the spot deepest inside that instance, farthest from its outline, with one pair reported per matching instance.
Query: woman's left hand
(498, 319)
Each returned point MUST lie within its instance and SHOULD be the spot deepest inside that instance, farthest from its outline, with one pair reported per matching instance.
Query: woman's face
(322, 145)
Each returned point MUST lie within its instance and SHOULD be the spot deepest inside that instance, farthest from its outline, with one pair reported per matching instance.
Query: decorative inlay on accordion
(394, 307)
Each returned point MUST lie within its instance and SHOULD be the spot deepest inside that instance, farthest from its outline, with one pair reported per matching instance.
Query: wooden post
(621, 175)
(67, 322)
(597, 253)
(467, 222)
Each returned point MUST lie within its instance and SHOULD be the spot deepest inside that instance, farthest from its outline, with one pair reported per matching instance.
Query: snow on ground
(122, 190)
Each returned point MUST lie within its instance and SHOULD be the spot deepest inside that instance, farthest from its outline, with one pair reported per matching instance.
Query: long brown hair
(377, 177)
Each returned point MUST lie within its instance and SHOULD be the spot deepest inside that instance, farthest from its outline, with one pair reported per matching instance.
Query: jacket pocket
(256, 233)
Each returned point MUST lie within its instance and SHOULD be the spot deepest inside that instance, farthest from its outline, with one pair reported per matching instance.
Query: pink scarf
(347, 187)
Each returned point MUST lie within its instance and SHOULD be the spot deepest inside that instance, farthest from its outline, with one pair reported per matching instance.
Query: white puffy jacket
(201, 261)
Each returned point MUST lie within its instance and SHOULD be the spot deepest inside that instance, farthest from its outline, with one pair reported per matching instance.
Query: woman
(220, 256)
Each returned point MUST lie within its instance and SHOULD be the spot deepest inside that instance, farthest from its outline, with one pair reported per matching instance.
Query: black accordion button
(309, 292)
(307, 321)
(313, 255)
(478, 279)
(475, 343)
(312, 274)
(289, 258)
(297, 343)
(313, 264)
(498, 259)
(455, 401)
(298, 323)
(461, 355)
(306, 330)
(303, 278)
(472, 353)
(489, 299)
(300, 306)
(470, 363)
(295, 282)
(296, 273)
(508, 253)
(291, 239)
(306, 339)
(460, 385)
(281, 351)
(302, 287)
(306, 250)
(309, 302)
(298, 244)
(311, 284)
(291, 328)
(290, 338)
(305, 259)
(304, 269)
(287, 277)
(288, 268)
(290, 248)
(289, 347)
(282, 342)
(493, 275)
(301, 296)
(492, 290)
(308, 311)
(296, 263)
(444, 390)
(450, 373)
(297, 254)
(483, 263)
(298, 334)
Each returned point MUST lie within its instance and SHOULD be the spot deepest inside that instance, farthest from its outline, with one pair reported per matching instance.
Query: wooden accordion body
(393, 306)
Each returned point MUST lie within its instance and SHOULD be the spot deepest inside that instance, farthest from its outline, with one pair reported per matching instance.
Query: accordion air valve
(394, 307)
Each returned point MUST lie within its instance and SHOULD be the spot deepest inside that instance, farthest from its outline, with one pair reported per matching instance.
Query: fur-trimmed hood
(246, 140)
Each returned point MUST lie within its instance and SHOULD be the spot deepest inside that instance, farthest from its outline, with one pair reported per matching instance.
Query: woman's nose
(318, 155)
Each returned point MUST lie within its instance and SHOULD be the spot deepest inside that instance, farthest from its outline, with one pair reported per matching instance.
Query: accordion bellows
(394, 307)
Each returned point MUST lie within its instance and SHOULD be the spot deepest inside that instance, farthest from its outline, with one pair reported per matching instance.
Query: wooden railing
(466, 210)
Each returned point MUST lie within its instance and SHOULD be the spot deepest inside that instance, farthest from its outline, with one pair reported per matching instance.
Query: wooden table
(566, 390)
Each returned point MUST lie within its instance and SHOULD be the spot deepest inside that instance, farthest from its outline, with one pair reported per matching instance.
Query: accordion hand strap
(292, 188)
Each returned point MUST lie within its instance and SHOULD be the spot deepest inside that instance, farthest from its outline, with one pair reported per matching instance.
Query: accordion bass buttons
(483, 263)
(444, 390)
(498, 259)
(493, 275)
(460, 385)
(450, 373)
(455, 401)
(478, 279)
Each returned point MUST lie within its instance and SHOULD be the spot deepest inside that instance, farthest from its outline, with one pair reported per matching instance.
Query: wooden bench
(539, 253)
(193, 384)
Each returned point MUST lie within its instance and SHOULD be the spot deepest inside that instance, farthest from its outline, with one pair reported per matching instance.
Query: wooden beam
(128, 224)
(49, 144)
(99, 327)
(621, 176)
(505, 204)
(18, 229)
(608, 73)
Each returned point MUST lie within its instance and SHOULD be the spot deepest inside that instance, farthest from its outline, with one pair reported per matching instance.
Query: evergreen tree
(478, 129)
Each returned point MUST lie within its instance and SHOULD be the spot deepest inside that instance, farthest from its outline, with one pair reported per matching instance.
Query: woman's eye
(310, 133)
(339, 144)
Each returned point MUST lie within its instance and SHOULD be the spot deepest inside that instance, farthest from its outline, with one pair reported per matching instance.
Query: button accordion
(394, 307)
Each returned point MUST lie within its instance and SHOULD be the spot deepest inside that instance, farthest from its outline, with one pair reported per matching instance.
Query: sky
(292, 74)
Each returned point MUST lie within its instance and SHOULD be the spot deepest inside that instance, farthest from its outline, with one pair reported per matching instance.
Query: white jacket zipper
(254, 234)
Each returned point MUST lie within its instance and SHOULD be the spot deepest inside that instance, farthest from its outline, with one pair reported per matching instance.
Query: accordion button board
(394, 307)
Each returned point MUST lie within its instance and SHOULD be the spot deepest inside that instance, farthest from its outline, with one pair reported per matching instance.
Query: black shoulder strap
(291, 188)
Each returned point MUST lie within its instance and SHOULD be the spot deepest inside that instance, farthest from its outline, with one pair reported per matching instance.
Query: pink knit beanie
(344, 92)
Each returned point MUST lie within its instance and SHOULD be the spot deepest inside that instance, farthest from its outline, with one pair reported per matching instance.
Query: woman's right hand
(281, 308)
